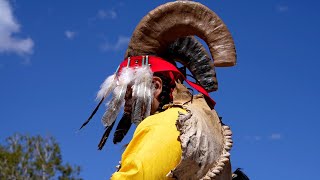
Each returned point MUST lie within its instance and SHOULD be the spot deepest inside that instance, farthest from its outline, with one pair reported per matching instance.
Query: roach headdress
(165, 36)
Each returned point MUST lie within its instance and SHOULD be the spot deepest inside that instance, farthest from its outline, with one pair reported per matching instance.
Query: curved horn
(191, 53)
(177, 19)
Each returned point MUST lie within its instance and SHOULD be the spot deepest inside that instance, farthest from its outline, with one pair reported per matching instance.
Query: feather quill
(149, 94)
(105, 136)
(92, 114)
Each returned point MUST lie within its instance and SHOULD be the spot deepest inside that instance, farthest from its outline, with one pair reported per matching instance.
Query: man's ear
(157, 83)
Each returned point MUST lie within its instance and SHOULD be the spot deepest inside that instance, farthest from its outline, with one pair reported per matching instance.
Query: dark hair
(168, 85)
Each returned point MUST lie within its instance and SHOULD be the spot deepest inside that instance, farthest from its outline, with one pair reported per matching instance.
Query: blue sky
(54, 55)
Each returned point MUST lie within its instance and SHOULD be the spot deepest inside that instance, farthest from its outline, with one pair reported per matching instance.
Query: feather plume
(148, 94)
(107, 87)
(117, 101)
(136, 95)
(141, 94)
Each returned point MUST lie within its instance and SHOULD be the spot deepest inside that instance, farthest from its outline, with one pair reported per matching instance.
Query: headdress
(162, 37)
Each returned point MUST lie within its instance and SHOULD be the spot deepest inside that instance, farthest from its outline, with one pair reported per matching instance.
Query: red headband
(158, 64)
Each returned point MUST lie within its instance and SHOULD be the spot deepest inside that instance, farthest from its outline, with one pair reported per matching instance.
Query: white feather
(126, 75)
(106, 87)
(113, 107)
(117, 100)
(141, 94)
(149, 93)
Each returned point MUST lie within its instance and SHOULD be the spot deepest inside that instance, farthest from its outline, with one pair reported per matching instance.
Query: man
(154, 149)
(178, 135)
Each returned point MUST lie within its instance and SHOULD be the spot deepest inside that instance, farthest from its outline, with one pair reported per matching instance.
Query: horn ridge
(166, 23)
(191, 53)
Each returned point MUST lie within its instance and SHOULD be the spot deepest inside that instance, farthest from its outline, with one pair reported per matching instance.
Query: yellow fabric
(154, 149)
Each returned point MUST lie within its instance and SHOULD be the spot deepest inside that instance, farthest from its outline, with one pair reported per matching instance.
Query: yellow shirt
(154, 149)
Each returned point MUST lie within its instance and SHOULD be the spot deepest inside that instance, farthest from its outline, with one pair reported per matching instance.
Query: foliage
(34, 157)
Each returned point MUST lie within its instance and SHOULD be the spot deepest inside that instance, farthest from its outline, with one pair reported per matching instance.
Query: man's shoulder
(167, 117)
(168, 114)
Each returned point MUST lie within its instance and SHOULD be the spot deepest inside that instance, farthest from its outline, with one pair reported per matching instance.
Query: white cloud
(275, 136)
(121, 43)
(257, 138)
(70, 34)
(253, 138)
(107, 14)
(8, 27)
(282, 8)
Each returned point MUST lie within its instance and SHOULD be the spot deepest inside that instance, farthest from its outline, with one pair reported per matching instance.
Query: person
(179, 135)
(151, 154)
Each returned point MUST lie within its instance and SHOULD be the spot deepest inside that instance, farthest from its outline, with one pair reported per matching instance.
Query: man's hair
(168, 85)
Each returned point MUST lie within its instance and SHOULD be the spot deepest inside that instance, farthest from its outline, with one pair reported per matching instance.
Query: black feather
(122, 128)
(92, 114)
(105, 136)
(238, 174)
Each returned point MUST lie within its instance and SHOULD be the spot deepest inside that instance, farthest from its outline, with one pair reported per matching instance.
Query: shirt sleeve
(153, 151)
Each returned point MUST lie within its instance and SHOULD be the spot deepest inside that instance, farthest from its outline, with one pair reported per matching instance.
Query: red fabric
(158, 64)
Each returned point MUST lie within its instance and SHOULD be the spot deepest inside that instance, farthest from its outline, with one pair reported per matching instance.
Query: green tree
(34, 157)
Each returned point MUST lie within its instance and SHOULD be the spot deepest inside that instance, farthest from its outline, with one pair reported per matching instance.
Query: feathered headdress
(161, 38)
